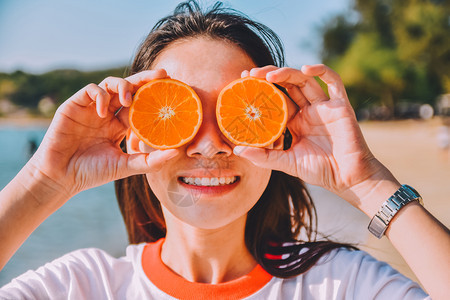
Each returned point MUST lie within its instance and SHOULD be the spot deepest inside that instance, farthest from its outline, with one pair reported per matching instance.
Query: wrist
(374, 198)
(370, 194)
(41, 188)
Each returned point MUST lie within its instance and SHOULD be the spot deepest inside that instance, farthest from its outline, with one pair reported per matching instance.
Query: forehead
(203, 63)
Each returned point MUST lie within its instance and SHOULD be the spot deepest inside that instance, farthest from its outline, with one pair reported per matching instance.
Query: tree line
(26, 90)
(389, 52)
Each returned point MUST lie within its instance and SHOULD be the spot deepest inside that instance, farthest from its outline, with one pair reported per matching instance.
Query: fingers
(148, 162)
(267, 158)
(122, 115)
(141, 78)
(308, 86)
(128, 86)
(334, 82)
(114, 92)
(245, 73)
(301, 84)
(295, 94)
(120, 87)
(92, 93)
(262, 72)
(258, 72)
(124, 88)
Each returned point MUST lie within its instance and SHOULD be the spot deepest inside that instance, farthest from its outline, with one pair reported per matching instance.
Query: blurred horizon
(38, 37)
(393, 56)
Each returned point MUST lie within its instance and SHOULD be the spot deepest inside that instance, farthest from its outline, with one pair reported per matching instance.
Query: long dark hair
(285, 210)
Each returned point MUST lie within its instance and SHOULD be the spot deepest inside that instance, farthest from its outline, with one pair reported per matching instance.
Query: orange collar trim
(176, 286)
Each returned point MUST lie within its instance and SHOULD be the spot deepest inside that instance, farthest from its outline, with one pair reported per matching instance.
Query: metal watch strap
(404, 195)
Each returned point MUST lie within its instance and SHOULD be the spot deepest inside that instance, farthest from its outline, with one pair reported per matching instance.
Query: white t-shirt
(94, 274)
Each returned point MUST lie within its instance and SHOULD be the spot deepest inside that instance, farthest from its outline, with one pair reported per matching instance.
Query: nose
(209, 142)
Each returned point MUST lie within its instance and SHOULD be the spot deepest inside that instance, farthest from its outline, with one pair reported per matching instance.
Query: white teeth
(206, 181)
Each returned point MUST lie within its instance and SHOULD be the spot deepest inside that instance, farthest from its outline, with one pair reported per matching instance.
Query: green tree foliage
(27, 90)
(396, 50)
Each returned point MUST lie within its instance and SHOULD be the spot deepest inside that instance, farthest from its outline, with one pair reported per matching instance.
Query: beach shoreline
(24, 121)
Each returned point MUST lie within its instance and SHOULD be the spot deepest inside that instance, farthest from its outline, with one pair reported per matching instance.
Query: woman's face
(206, 185)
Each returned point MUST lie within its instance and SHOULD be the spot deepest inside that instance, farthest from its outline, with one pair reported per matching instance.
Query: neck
(207, 255)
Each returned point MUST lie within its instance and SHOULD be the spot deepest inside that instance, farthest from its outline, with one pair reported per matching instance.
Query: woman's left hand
(328, 148)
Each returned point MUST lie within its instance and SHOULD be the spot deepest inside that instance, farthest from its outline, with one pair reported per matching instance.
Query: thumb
(266, 158)
(141, 163)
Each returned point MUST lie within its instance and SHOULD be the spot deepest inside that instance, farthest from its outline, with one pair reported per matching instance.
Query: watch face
(414, 194)
(411, 189)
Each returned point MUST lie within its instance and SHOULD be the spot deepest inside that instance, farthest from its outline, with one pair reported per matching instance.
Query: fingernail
(100, 111)
(269, 76)
(128, 98)
(238, 150)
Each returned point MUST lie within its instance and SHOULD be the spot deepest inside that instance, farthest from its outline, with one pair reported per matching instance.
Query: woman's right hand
(81, 148)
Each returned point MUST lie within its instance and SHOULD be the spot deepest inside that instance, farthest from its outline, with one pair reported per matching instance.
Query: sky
(41, 35)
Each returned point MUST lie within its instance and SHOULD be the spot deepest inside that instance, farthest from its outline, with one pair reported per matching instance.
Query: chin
(209, 214)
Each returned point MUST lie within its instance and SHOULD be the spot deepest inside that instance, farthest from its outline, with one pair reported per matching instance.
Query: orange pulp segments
(165, 113)
(251, 111)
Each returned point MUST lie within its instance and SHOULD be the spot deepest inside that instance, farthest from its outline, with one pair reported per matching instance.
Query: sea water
(90, 219)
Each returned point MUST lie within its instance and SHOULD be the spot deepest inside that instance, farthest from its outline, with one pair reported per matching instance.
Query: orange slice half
(165, 113)
(251, 111)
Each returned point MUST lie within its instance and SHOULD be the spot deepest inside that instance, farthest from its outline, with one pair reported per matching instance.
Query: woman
(235, 240)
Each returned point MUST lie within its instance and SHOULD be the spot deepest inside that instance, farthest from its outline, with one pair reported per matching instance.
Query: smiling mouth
(209, 181)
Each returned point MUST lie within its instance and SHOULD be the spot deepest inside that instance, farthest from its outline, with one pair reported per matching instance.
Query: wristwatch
(404, 195)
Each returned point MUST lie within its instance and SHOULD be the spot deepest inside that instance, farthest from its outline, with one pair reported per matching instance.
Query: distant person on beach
(443, 131)
(443, 140)
(250, 234)
(32, 146)
(443, 137)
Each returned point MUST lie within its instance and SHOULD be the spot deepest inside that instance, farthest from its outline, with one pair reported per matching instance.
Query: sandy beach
(24, 121)
(409, 148)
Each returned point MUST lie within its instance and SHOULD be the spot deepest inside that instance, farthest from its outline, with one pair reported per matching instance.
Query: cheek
(158, 184)
(257, 181)
(169, 192)
(155, 184)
